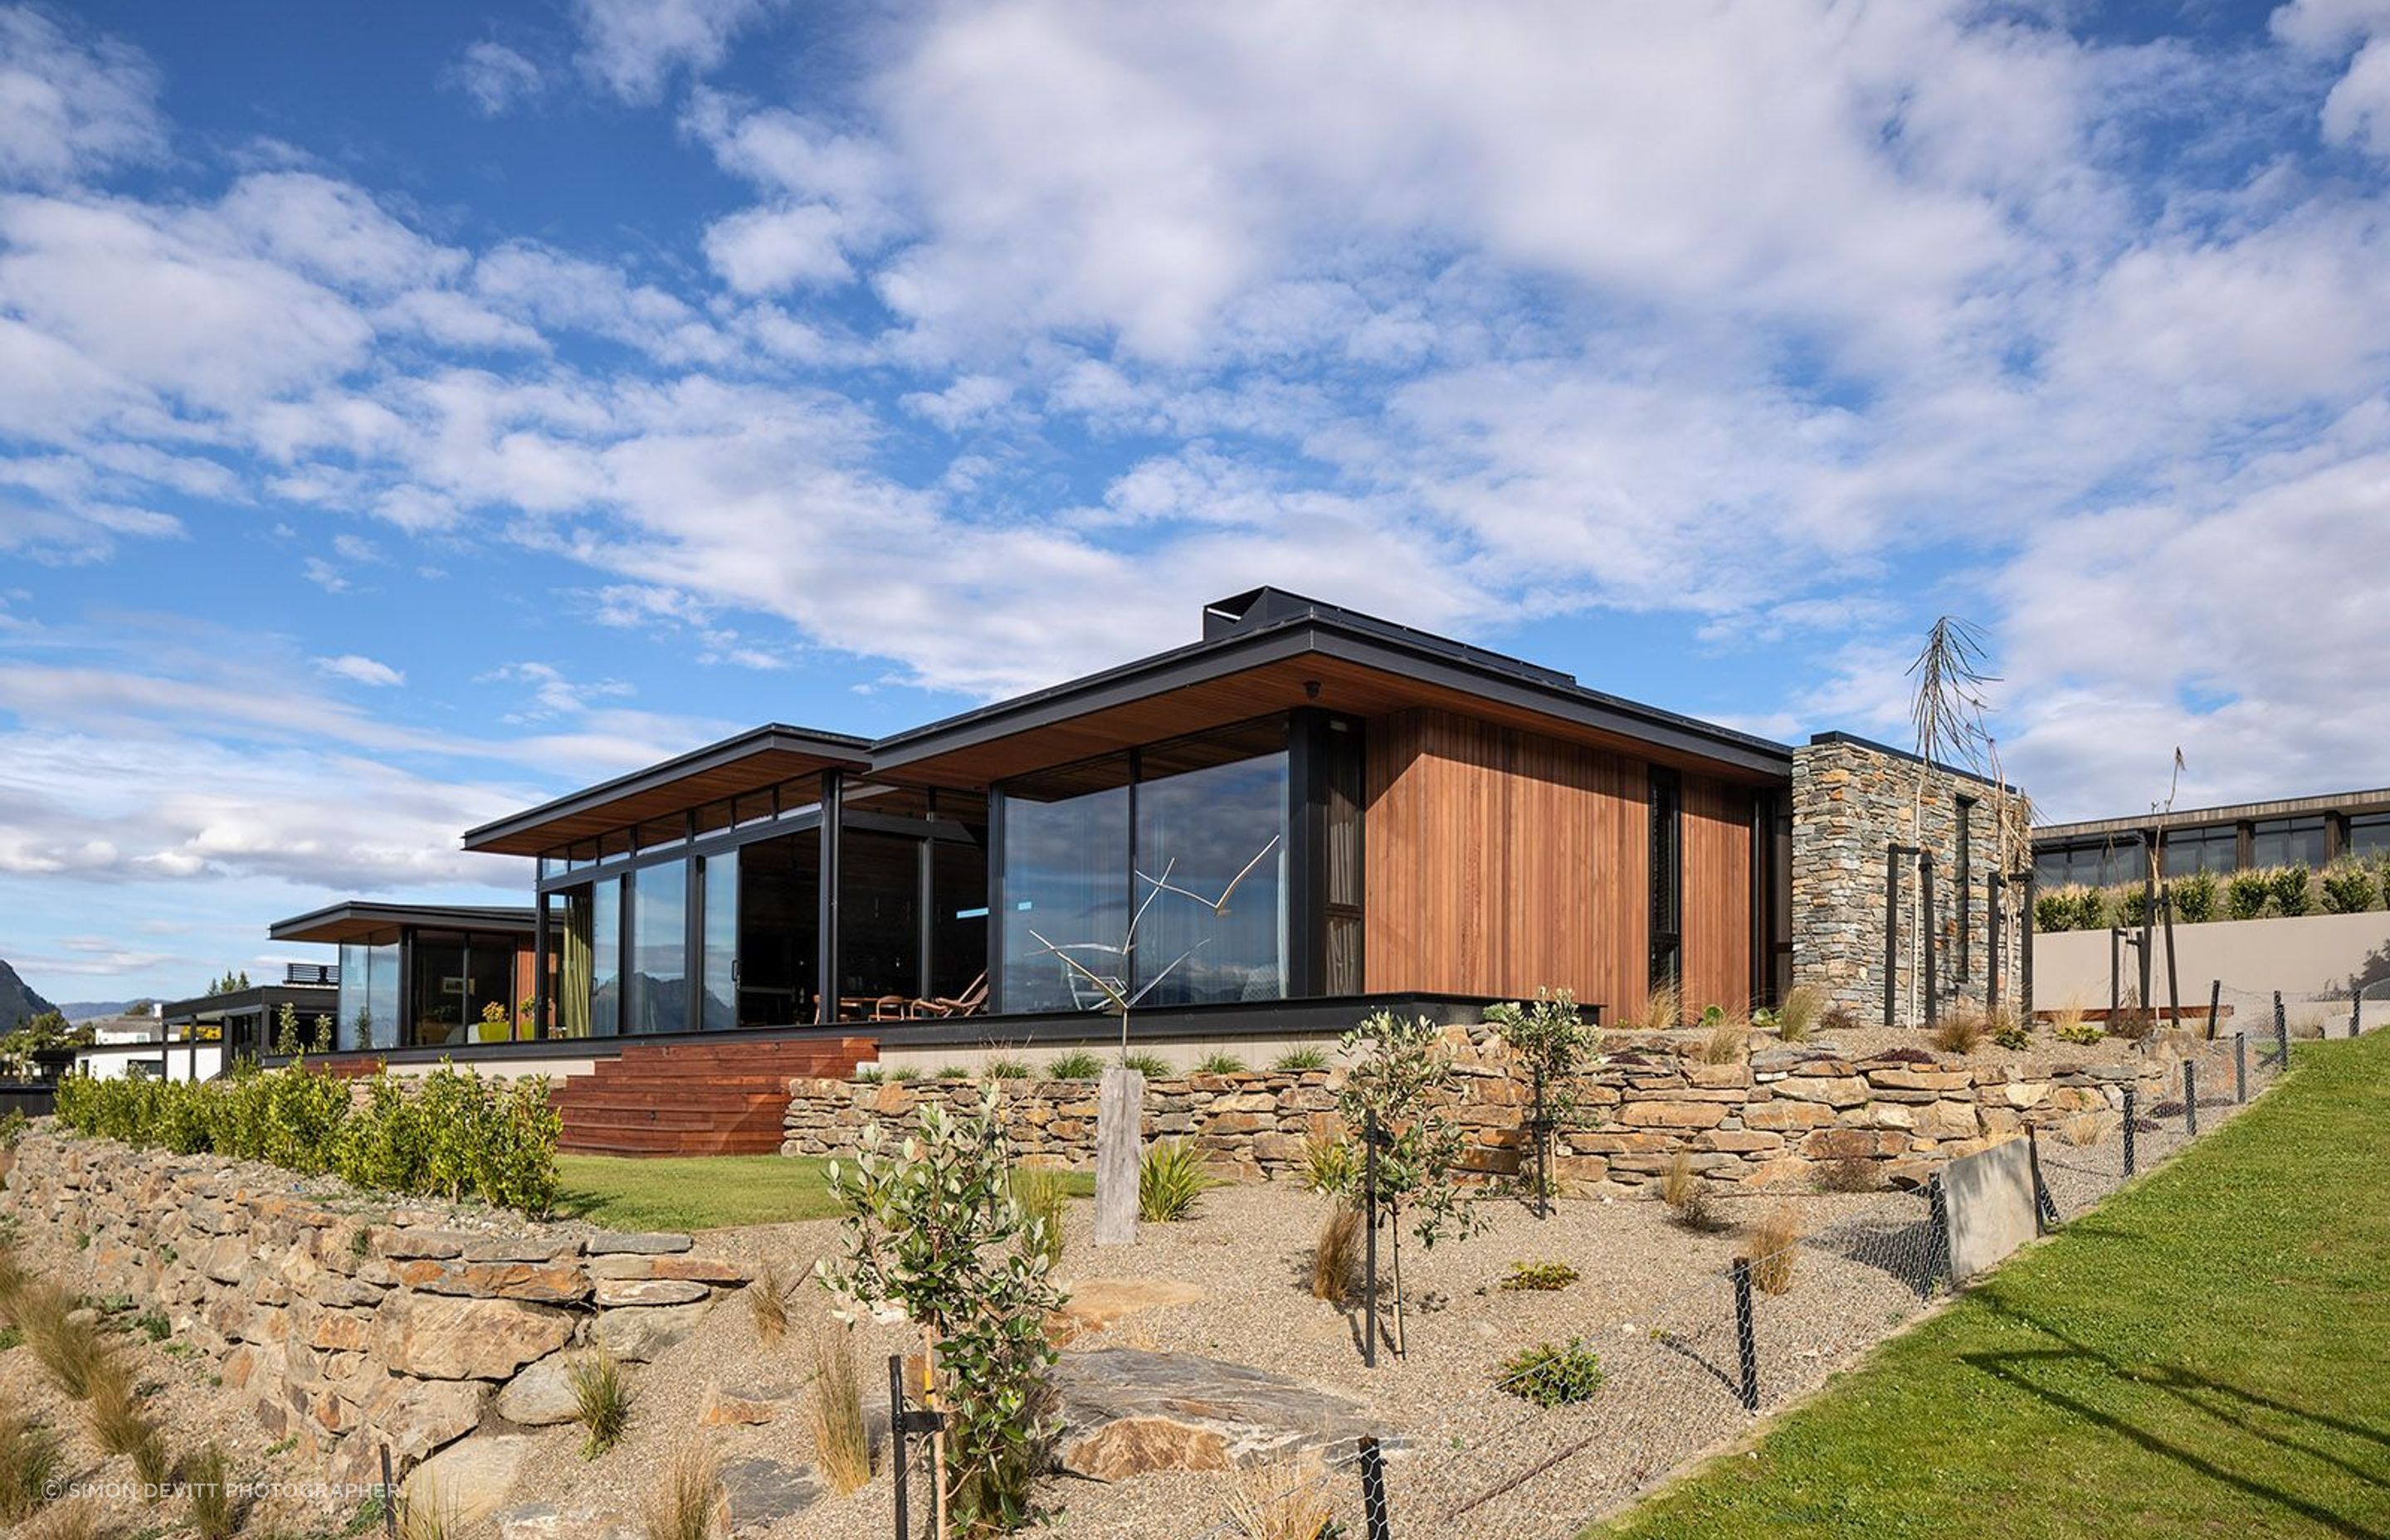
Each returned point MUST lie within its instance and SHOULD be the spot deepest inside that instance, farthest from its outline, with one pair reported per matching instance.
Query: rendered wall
(2310, 957)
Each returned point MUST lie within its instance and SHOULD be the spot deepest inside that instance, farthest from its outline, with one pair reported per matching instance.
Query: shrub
(1169, 1179)
(869, 1074)
(2131, 1024)
(1839, 1018)
(1336, 1256)
(2090, 909)
(2386, 881)
(208, 1482)
(601, 1401)
(1775, 1244)
(2288, 886)
(951, 1071)
(2348, 888)
(1554, 1042)
(1220, 1064)
(1079, 1064)
(2082, 1033)
(12, 1127)
(767, 1301)
(1849, 1173)
(2245, 894)
(937, 1233)
(1804, 1011)
(906, 1072)
(1961, 1030)
(1151, 1066)
(1537, 1278)
(1552, 1375)
(2195, 898)
(2132, 905)
(2010, 1031)
(1401, 1078)
(1043, 1193)
(1328, 1165)
(451, 1133)
(1004, 1069)
(1295, 1059)
(686, 1502)
(834, 1413)
(32, 1456)
(2054, 910)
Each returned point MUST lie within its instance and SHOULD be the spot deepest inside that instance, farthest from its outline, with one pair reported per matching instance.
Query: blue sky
(407, 414)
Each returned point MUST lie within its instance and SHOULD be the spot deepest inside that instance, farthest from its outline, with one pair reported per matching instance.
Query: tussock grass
(1295, 1059)
(2084, 1129)
(1849, 1173)
(82, 1519)
(1279, 1500)
(1662, 1009)
(1798, 1018)
(1728, 1042)
(1773, 1247)
(207, 1481)
(70, 1346)
(834, 1413)
(1328, 1165)
(425, 1511)
(1687, 1196)
(32, 1456)
(1962, 1030)
(1043, 1193)
(686, 1502)
(767, 1301)
(1336, 1256)
(120, 1426)
(601, 1401)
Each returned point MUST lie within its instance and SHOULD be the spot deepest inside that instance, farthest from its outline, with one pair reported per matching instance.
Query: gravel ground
(1466, 1457)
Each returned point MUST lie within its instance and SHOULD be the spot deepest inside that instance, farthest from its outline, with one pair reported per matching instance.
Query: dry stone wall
(346, 1324)
(1852, 800)
(1771, 1118)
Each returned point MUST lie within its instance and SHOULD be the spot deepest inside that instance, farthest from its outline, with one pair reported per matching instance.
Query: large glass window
(369, 993)
(463, 988)
(2092, 864)
(1211, 823)
(2369, 835)
(1066, 882)
(2215, 849)
(879, 921)
(778, 880)
(658, 995)
(718, 882)
(1666, 838)
(958, 927)
(2283, 842)
(605, 956)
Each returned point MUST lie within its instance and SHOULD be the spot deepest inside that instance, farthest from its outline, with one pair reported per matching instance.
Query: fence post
(2132, 1117)
(389, 1498)
(2241, 1066)
(2189, 1097)
(1746, 1340)
(1374, 1512)
(1370, 1246)
(2356, 1001)
(2215, 1007)
(898, 1460)
(2045, 1211)
(1938, 1207)
(2282, 1035)
(1929, 935)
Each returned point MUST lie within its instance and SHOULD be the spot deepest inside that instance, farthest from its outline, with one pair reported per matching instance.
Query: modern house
(2310, 832)
(1304, 814)
(420, 975)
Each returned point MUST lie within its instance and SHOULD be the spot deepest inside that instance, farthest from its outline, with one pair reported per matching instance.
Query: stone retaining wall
(1768, 1119)
(347, 1325)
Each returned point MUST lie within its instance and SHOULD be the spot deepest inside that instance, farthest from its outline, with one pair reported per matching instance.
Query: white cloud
(498, 78)
(70, 106)
(360, 670)
(764, 250)
(632, 47)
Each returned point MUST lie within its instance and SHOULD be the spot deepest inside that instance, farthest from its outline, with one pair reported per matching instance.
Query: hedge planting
(2348, 886)
(448, 1134)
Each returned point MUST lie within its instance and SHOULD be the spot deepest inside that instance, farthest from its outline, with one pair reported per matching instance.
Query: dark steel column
(1929, 933)
(825, 945)
(2025, 941)
(539, 966)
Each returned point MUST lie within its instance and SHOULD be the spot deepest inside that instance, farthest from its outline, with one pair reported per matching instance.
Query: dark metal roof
(2231, 812)
(354, 920)
(305, 998)
(1271, 622)
(748, 761)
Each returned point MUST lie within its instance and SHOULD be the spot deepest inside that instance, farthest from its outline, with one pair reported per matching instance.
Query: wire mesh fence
(1531, 1454)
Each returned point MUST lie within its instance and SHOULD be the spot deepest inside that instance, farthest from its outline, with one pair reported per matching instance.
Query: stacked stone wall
(1771, 1118)
(1851, 802)
(345, 1325)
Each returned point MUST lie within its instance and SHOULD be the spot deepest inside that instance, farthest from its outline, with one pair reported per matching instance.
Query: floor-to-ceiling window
(1211, 815)
(657, 990)
(605, 956)
(369, 993)
(718, 935)
(779, 884)
(462, 990)
(1192, 832)
(1667, 879)
(1065, 887)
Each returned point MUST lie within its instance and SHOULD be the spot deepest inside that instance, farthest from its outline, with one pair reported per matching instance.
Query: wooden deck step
(724, 1096)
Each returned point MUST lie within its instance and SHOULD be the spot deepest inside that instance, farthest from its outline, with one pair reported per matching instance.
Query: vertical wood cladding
(1499, 861)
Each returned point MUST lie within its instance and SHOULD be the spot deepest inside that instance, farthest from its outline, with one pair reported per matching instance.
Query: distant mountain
(19, 1004)
(91, 1010)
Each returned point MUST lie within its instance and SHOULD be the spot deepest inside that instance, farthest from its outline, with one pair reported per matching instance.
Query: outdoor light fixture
(1311, 689)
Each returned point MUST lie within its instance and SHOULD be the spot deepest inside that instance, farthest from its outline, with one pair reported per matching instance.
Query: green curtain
(572, 993)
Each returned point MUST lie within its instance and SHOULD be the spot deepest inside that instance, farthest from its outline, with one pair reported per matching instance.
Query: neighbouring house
(1307, 813)
(2316, 923)
(196, 1039)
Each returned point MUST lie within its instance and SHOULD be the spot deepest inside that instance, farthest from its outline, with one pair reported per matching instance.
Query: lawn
(704, 1193)
(2208, 1354)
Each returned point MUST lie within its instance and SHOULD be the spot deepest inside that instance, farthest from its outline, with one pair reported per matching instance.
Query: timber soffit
(351, 919)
